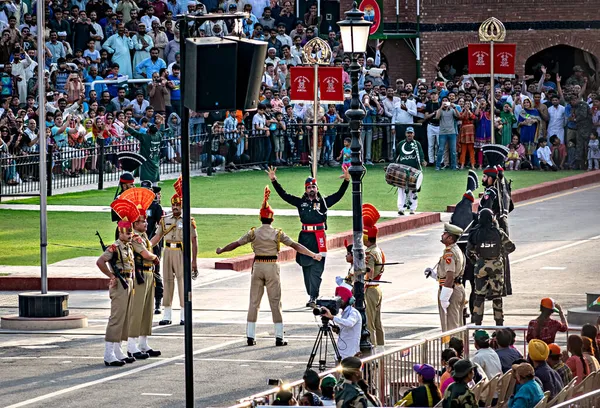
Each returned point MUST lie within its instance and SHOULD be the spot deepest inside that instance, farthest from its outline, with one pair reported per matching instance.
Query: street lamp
(354, 31)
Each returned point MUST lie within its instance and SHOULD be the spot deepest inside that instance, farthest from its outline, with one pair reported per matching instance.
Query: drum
(401, 175)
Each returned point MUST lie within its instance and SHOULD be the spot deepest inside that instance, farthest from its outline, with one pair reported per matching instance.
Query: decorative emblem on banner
(492, 29)
(317, 51)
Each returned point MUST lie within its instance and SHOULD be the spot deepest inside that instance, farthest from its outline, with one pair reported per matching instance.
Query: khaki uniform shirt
(452, 260)
(141, 243)
(172, 229)
(124, 253)
(374, 262)
(265, 240)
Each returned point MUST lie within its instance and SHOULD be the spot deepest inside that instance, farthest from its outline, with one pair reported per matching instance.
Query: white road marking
(155, 394)
(553, 268)
(116, 376)
(229, 360)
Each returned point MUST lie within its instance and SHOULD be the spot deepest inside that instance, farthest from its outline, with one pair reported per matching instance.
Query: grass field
(245, 189)
(19, 230)
(19, 234)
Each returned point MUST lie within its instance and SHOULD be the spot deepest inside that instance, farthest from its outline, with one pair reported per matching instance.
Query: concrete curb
(33, 283)
(244, 262)
(546, 188)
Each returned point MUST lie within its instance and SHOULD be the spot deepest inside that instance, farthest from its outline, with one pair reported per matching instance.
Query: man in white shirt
(403, 115)
(282, 36)
(349, 322)
(485, 356)
(558, 120)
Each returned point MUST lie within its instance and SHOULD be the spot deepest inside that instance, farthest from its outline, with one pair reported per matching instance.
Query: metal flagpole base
(39, 311)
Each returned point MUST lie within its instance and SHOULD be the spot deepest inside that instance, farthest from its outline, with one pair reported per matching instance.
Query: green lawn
(19, 234)
(245, 189)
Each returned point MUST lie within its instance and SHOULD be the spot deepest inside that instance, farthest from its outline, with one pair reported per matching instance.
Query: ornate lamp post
(354, 31)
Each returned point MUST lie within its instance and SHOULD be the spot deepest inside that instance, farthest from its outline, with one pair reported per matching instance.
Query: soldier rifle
(113, 265)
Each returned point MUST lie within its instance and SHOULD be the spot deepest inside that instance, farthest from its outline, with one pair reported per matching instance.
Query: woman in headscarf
(529, 126)
(483, 131)
(507, 118)
(172, 140)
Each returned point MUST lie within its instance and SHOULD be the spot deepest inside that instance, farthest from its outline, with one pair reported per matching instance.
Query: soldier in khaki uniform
(119, 254)
(266, 241)
(171, 228)
(374, 260)
(450, 269)
(140, 322)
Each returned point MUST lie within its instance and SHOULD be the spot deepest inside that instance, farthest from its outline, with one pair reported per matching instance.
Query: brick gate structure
(447, 26)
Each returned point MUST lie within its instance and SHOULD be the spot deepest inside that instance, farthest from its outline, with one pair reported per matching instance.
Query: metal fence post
(209, 152)
(100, 165)
(49, 170)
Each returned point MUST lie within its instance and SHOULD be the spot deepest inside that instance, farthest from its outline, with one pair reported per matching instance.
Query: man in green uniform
(312, 208)
(140, 322)
(150, 150)
(410, 153)
(374, 262)
(487, 247)
(450, 270)
(266, 241)
(119, 254)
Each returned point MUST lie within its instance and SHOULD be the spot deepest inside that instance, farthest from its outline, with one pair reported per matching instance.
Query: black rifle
(113, 265)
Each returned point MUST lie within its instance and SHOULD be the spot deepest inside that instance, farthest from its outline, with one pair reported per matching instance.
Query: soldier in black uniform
(126, 181)
(312, 208)
(153, 216)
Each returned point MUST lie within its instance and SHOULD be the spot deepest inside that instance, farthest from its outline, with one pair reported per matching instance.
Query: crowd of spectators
(547, 123)
(546, 368)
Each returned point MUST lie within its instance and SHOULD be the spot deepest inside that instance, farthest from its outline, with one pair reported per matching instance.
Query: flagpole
(315, 129)
(492, 91)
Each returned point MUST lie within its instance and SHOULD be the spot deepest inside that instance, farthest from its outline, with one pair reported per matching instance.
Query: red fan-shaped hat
(127, 211)
(370, 218)
(265, 210)
(141, 197)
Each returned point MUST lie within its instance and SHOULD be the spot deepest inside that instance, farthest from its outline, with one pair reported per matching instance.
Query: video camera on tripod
(333, 304)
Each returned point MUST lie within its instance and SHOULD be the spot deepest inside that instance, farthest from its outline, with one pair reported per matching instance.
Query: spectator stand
(391, 373)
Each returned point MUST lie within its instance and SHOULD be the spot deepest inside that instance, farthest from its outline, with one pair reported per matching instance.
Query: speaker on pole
(251, 55)
(208, 61)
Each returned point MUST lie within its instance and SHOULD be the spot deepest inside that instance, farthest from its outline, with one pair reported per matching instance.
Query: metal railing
(589, 400)
(391, 373)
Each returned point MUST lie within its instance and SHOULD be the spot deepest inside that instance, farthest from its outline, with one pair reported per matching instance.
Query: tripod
(324, 332)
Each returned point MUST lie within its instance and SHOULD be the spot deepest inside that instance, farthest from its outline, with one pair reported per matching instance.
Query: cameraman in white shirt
(349, 322)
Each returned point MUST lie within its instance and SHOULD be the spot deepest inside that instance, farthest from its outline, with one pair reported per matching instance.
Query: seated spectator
(557, 365)
(310, 399)
(591, 331)
(506, 353)
(544, 155)
(538, 353)
(447, 354)
(545, 328)
(312, 382)
(458, 393)
(458, 345)
(328, 383)
(427, 394)
(558, 152)
(348, 393)
(576, 361)
(588, 354)
(485, 356)
(528, 391)
(449, 380)
(284, 398)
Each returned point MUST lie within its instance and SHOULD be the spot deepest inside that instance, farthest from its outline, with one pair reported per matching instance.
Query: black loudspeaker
(251, 55)
(210, 74)
(330, 15)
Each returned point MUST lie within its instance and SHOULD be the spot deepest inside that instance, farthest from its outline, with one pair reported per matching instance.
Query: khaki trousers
(373, 301)
(142, 310)
(172, 269)
(120, 310)
(453, 317)
(265, 274)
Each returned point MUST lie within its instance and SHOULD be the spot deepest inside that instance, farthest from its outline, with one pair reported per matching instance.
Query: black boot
(157, 306)
(251, 341)
(139, 355)
(280, 342)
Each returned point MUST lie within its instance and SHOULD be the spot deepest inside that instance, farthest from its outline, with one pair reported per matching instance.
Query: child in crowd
(278, 133)
(571, 154)
(593, 152)
(513, 161)
(559, 152)
(345, 155)
(545, 156)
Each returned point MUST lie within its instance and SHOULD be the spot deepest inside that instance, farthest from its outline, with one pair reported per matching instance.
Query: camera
(333, 304)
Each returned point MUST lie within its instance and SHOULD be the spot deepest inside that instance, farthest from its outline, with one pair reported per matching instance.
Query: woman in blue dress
(529, 127)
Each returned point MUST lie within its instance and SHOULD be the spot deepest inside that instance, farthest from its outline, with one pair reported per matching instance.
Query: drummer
(410, 155)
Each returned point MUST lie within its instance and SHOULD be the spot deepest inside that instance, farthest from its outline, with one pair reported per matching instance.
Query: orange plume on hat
(127, 211)
(265, 210)
(370, 218)
(141, 197)
(177, 198)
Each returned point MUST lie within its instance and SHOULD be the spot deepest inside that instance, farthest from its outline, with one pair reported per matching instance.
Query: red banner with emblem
(302, 84)
(331, 84)
(480, 60)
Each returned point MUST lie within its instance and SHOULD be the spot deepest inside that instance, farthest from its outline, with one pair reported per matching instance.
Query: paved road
(557, 239)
